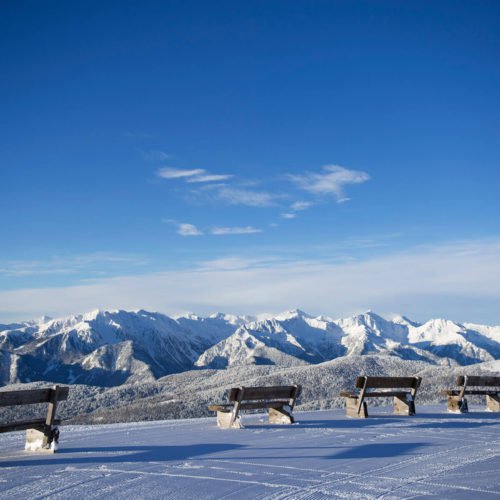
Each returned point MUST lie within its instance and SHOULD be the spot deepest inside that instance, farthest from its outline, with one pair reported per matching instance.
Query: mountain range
(111, 348)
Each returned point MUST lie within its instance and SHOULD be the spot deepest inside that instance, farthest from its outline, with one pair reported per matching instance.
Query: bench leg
(404, 406)
(493, 403)
(457, 405)
(224, 420)
(280, 416)
(37, 440)
(351, 406)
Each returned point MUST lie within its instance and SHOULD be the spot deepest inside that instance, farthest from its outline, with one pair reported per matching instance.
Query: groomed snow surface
(324, 455)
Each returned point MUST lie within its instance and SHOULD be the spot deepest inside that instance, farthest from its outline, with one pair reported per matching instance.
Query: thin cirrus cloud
(236, 196)
(300, 205)
(190, 175)
(209, 178)
(88, 263)
(188, 230)
(331, 181)
(178, 173)
(221, 231)
(457, 281)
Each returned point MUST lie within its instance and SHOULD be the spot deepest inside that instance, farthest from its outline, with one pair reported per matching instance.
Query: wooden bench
(470, 385)
(404, 400)
(41, 434)
(279, 402)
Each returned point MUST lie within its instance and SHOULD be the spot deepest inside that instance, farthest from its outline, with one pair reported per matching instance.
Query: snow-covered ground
(324, 455)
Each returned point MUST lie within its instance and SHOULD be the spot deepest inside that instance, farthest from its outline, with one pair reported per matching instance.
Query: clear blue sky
(239, 141)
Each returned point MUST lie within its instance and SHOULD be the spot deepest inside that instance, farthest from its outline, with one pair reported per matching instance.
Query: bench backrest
(388, 382)
(32, 396)
(280, 392)
(478, 381)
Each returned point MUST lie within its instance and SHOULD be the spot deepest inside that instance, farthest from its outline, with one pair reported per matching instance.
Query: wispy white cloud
(331, 181)
(178, 173)
(209, 178)
(188, 230)
(195, 175)
(456, 281)
(300, 205)
(218, 231)
(60, 265)
(235, 196)
(231, 263)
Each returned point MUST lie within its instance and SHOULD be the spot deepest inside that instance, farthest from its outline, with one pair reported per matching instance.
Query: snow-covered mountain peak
(189, 315)
(403, 320)
(92, 315)
(231, 318)
(43, 319)
(436, 330)
(365, 321)
(324, 318)
(292, 314)
(111, 347)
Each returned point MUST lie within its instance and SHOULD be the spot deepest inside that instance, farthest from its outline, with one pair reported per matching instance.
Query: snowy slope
(115, 347)
(108, 348)
(325, 455)
(315, 340)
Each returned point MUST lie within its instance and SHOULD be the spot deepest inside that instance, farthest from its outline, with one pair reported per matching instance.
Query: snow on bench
(278, 400)
(457, 403)
(41, 434)
(404, 400)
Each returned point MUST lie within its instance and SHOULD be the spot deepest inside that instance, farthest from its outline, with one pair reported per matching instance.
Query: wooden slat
(348, 394)
(233, 393)
(221, 407)
(478, 392)
(23, 425)
(263, 404)
(479, 381)
(360, 382)
(32, 396)
(257, 393)
(387, 382)
(51, 411)
(12, 398)
(385, 394)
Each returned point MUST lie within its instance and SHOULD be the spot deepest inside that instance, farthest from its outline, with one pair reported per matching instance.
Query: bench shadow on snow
(124, 454)
(420, 421)
(379, 450)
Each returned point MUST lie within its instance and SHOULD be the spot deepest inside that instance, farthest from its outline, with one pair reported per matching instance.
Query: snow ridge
(110, 348)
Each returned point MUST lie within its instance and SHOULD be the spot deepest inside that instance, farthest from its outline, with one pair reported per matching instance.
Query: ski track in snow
(325, 455)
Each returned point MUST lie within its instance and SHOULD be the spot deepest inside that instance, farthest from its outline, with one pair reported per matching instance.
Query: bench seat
(22, 425)
(404, 400)
(278, 400)
(456, 392)
(42, 434)
(227, 407)
(474, 385)
(373, 394)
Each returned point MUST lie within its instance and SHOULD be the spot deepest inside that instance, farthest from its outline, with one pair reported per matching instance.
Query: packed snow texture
(324, 455)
